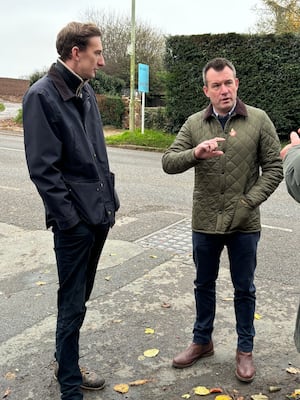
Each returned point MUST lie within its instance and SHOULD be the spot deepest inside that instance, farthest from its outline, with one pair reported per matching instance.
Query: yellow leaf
(121, 388)
(149, 330)
(293, 370)
(153, 256)
(259, 396)
(257, 316)
(201, 390)
(223, 397)
(107, 278)
(151, 353)
(186, 396)
(297, 391)
(40, 283)
(140, 382)
(141, 358)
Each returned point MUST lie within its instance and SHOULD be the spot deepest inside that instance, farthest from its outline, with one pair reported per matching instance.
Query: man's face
(90, 60)
(221, 88)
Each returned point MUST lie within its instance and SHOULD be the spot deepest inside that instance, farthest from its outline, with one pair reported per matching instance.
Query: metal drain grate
(176, 238)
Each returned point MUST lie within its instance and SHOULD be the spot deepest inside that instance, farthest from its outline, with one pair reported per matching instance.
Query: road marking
(10, 149)
(278, 228)
(9, 188)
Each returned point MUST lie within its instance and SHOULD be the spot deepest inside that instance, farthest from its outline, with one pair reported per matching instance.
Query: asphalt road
(144, 280)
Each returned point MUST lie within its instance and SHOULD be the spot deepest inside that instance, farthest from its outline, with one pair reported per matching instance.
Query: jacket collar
(240, 109)
(67, 83)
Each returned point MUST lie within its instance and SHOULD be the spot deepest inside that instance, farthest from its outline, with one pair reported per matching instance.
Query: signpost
(143, 87)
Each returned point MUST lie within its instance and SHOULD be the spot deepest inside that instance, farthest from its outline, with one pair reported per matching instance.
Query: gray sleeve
(291, 168)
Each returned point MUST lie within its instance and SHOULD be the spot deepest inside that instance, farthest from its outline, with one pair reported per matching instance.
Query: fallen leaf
(201, 390)
(257, 316)
(6, 393)
(186, 396)
(215, 390)
(40, 283)
(140, 382)
(149, 330)
(113, 254)
(151, 353)
(166, 305)
(107, 278)
(121, 388)
(223, 397)
(293, 370)
(141, 358)
(10, 376)
(259, 396)
(273, 389)
(117, 321)
(153, 256)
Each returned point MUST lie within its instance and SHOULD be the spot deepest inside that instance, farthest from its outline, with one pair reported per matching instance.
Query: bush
(112, 109)
(156, 118)
(2, 107)
(19, 118)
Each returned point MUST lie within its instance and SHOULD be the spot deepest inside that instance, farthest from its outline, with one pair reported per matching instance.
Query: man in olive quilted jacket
(234, 150)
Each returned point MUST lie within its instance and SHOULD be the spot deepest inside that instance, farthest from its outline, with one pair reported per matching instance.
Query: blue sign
(143, 84)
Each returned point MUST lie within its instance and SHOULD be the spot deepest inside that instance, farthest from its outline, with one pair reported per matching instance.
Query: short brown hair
(75, 34)
(218, 64)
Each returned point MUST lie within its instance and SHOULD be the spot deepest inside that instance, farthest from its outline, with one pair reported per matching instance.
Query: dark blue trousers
(77, 253)
(242, 251)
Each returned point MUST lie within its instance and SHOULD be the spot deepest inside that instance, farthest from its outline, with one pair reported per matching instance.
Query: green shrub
(2, 107)
(156, 118)
(112, 109)
(19, 118)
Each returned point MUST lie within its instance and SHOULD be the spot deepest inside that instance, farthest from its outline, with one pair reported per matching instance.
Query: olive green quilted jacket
(228, 189)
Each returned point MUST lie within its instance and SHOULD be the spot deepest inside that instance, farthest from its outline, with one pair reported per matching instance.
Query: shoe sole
(180, 366)
(245, 380)
(92, 388)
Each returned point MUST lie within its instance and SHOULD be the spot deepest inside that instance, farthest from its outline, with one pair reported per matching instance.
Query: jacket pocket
(242, 215)
(89, 200)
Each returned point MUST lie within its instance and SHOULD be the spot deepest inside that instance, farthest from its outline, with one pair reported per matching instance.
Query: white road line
(278, 228)
(9, 188)
(10, 149)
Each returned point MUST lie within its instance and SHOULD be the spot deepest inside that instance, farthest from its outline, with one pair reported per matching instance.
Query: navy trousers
(242, 251)
(77, 253)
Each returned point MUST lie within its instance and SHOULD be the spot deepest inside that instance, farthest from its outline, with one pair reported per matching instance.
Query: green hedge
(267, 66)
(112, 109)
(156, 118)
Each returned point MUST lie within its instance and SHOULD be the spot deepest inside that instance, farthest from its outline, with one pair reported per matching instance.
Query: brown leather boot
(192, 354)
(245, 370)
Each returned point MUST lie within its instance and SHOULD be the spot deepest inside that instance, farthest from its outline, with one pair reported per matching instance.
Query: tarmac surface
(146, 281)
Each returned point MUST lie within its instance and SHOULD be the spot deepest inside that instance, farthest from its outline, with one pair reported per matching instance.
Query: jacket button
(97, 189)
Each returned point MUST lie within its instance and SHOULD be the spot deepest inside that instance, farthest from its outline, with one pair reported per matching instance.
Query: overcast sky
(28, 28)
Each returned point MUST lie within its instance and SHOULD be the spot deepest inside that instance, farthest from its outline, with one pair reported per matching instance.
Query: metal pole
(132, 70)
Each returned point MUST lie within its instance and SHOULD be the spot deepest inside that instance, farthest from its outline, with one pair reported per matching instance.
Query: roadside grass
(2, 107)
(150, 138)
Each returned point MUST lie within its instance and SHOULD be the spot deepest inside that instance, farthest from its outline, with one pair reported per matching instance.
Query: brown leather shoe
(245, 370)
(192, 354)
(90, 380)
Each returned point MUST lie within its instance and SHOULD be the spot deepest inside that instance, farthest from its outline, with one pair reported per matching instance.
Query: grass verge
(150, 138)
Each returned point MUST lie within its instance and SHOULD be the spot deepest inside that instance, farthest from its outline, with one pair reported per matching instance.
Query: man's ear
(75, 53)
(205, 90)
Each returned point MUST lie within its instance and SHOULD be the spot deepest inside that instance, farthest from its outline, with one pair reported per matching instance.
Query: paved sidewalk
(138, 286)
